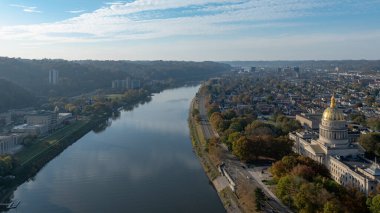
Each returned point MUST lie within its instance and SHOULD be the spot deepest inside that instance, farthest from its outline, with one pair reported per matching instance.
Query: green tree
(6, 164)
(374, 123)
(229, 114)
(332, 206)
(358, 118)
(374, 204)
(279, 147)
(287, 187)
(236, 126)
(241, 149)
(371, 143)
(310, 198)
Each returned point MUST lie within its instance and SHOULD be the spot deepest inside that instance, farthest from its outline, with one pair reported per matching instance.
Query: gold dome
(331, 113)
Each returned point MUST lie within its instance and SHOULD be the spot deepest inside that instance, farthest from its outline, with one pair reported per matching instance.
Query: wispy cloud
(27, 9)
(147, 19)
(76, 11)
(115, 3)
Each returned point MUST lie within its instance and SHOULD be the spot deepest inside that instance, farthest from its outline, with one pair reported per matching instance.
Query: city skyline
(190, 30)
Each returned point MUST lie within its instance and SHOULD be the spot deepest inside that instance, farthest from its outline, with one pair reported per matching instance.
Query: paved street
(207, 129)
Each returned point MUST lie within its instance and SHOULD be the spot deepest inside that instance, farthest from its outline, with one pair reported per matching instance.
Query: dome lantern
(332, 113)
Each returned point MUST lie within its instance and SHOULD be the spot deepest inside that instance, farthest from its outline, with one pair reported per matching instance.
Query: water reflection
(141, 162)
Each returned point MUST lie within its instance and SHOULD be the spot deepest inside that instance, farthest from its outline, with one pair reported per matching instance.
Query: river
(142, 162)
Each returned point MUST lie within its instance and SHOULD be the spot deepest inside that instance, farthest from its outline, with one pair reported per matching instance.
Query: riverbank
(210, 163)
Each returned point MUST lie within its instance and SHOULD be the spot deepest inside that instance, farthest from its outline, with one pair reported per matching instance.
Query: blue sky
(190, 30)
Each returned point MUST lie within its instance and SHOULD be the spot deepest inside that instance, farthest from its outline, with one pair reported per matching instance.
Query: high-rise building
(53, 76)
(128, 83)
(297, 71)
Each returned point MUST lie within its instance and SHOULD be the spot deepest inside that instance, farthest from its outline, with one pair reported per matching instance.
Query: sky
(196, 30)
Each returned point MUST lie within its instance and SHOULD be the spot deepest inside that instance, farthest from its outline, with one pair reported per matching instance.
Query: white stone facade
(333, 148)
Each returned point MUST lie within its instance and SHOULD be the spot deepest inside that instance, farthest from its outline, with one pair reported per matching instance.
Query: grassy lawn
(40, 145)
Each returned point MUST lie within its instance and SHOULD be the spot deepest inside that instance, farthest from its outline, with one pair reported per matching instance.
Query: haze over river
(142, 162)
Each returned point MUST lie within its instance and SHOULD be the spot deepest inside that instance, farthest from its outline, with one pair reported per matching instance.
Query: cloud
(75, 11)
(27, 9)
(115, 3)
(147, 19)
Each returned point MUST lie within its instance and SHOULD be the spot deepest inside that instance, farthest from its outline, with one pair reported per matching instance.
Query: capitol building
(333, 147)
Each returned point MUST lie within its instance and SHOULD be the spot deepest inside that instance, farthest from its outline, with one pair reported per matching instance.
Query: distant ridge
(77, 77)
(14, 96)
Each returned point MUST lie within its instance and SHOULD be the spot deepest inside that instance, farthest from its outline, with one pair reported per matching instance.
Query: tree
(371, 143)
(289, 162)
(6, 164)
(309, 198)
(374, 204)
(229, 114)
(259, 146)
(241, 149)
(70, 107)
(211, 109)
(278, 169)
(354, 201)
(279, 147)
(303, 171)
(216, 120)
(234, 136)
(332, 206)
(257, 128)
(236, 126)
(287, 187)
(358, 118)
(374, 123)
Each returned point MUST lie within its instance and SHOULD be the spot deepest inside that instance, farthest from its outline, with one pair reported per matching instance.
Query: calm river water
(143, 162)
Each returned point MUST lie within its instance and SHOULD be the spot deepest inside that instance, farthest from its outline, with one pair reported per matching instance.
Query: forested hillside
(76, 77)
(14, 96)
